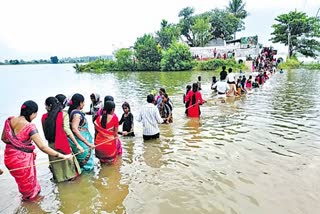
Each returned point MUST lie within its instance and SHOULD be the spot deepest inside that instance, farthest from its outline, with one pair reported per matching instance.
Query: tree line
(163, 51)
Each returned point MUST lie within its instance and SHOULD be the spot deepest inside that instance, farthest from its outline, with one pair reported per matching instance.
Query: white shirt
(222, 87)
(150, 117)
(254, 74)
(231, 77)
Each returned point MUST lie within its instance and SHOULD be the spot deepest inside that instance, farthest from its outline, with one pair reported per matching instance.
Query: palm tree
(236, 7)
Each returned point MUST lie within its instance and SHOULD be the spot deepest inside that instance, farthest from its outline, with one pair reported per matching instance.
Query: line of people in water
(230, 86)
(71, 147)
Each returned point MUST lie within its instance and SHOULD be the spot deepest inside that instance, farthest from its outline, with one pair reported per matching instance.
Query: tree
(14, 62)
(299, 32)
(201, 31)
(54, 59)
(223, 23)
(177, 58)
(167, 34)
(236, 7)
(185, 23)
(147, 54)
(124, 58)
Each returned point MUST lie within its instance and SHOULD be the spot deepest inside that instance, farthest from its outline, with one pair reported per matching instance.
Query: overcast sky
(35, 29)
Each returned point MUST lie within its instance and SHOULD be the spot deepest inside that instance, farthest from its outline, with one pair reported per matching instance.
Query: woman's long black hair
(75, 102)
(194, 89)
(28, 108)
(54, 107)
(107, 109)
(62, 99)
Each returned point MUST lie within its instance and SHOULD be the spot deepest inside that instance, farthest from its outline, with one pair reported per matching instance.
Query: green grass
(293, 63)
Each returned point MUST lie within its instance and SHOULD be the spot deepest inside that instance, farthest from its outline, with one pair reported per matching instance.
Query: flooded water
(257, 154)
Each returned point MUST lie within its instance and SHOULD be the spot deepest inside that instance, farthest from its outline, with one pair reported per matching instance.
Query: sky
(37, 29)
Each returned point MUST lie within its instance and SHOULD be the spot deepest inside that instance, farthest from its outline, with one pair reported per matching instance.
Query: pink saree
(19, 155)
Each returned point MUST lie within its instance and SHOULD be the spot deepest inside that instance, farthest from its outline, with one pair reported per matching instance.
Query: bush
(98, 66)
(177, 58)
(291, 63)
(214, 64)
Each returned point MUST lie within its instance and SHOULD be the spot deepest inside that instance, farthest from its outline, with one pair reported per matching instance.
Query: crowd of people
(71, 147)
(215, 54)
(229, 86)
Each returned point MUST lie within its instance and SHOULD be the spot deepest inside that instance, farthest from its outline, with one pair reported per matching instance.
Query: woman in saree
(194, 98)
(79, 127)
(53, 124)
(107, 134)
(20, 134)
(100, 112)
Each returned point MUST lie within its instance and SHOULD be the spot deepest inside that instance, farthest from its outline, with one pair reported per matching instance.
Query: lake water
(257, 154)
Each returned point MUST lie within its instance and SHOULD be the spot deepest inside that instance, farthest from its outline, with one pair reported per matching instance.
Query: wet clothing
(165, 110)
(19, 153)
(223, 75)
(195, 100)
(255, 85)
(62, 170)
(222, 88)
(85, 159)
(150, 118)
(127, 123)
(248, 84)
(231, 78)
(107, 146)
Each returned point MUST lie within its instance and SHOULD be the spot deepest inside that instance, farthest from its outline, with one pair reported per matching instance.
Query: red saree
(195, 100)
(106, 145)
(19, 154)
(61, 141)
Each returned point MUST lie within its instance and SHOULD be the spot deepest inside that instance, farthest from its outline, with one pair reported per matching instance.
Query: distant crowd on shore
(216, 54)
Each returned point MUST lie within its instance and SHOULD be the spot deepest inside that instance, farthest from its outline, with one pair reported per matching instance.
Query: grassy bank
(294, 63)
(311, 66)
(102, 66)
(216, 64)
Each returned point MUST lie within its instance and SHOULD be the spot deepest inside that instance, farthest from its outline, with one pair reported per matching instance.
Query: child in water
(214, 80)
(249, 83)
(199, 83)
(127, 120)
(255, 84)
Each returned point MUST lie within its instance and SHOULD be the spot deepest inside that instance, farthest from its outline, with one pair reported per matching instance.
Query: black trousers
(149, 137)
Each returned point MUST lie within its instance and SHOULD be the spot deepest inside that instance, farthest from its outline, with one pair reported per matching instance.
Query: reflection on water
(258, 153)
